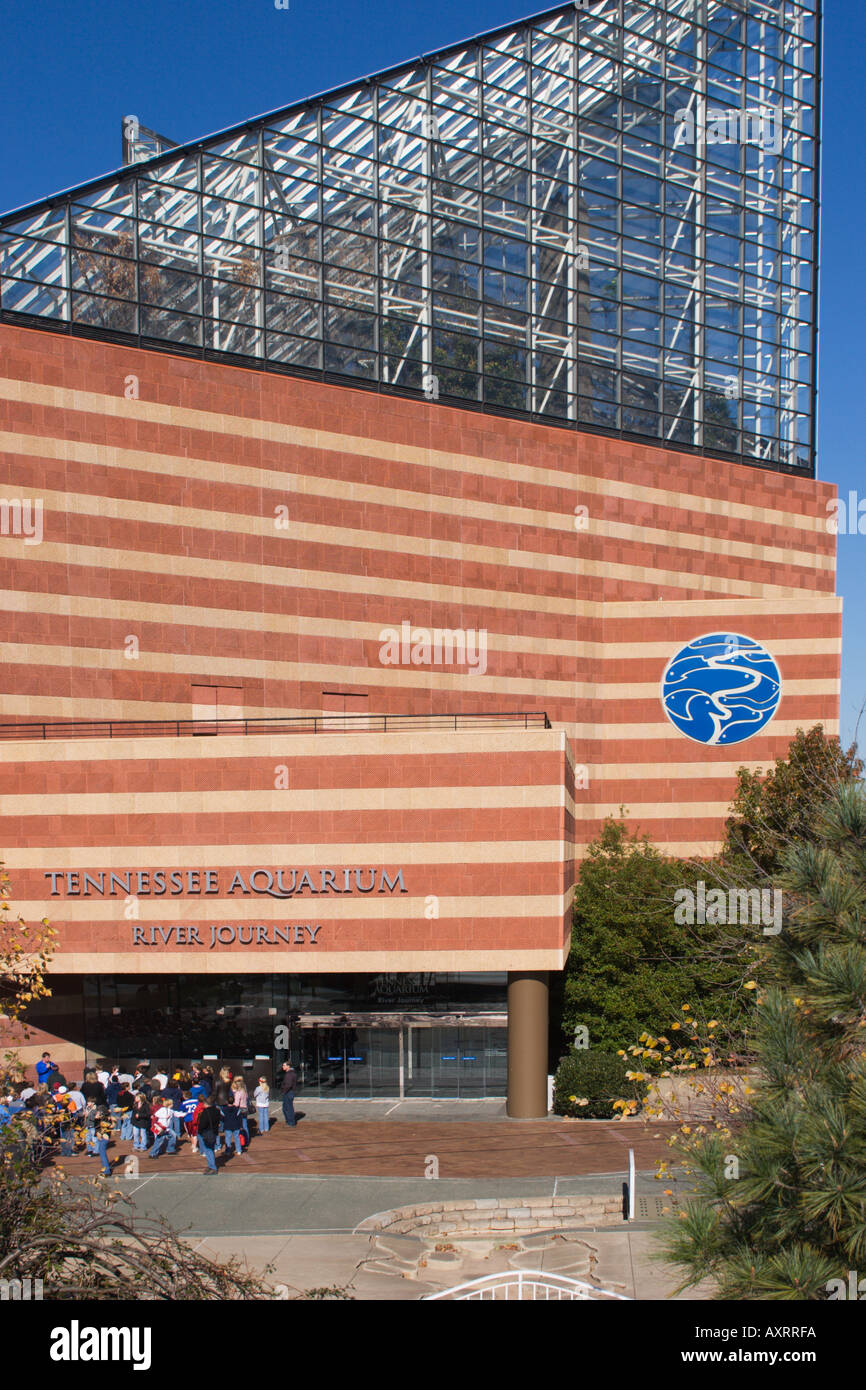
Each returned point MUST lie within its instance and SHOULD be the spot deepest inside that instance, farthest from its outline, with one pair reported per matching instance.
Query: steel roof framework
(515, 224)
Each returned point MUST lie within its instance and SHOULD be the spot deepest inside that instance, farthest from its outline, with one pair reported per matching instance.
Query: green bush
(596, 1077)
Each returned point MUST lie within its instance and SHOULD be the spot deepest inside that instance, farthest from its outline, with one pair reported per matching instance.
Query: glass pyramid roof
(603, 217)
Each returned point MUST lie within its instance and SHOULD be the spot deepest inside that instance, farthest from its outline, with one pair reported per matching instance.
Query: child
(262, 1097)
(125, 1102)
(188, 1107)
(178, 1116)
(233, 1127)
(241, 1099)
(101, 1128)
(90, 1126)
(163, 1129)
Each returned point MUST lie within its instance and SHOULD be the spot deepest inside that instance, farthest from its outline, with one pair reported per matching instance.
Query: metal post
(631, 1185)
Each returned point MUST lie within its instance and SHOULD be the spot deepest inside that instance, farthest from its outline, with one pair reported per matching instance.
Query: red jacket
(192, 1122)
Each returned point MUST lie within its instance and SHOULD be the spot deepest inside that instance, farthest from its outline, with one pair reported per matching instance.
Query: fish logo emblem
(721, 689)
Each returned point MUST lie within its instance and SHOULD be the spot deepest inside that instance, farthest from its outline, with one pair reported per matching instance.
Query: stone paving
(379, 1267)
(468, 1148)
(349, 1199)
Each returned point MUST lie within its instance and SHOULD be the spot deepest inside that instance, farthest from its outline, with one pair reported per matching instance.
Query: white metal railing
(533, 1285)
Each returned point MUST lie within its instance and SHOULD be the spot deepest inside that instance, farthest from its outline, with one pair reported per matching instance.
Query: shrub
(595, 1077)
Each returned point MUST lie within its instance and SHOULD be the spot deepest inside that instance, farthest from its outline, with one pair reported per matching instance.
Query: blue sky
(191, 67)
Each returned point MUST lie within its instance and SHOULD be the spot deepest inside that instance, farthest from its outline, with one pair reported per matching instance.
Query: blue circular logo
(721, 689)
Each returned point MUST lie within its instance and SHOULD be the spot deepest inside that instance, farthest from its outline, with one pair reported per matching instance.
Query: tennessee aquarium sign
(721, 689)
(275, 883)
(131, 884)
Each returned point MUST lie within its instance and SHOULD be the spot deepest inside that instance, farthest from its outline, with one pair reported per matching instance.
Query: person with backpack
(240, 1097)
(207, 1130)
(162, 1126)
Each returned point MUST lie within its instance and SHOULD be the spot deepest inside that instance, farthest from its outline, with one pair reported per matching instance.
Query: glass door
(350, 1063)
(455, 1062)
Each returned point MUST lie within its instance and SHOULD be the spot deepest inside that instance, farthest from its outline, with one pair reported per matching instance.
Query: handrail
(530, 1284)
(312, 723)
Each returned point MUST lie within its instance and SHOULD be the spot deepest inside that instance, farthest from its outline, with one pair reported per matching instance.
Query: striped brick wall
(480, 825)
(161, 524)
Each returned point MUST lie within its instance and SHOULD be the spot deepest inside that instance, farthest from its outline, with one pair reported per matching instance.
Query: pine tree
(779, 1209)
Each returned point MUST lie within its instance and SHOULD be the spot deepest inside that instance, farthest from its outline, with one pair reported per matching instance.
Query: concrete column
(527, 1044)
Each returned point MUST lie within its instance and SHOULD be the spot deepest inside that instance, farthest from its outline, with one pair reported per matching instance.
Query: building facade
(395, 487)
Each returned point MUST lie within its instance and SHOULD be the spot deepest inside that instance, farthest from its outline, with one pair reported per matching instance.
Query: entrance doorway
(401, 1058)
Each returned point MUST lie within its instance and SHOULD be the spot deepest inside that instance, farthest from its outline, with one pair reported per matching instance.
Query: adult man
(288, 1088)
(207, 1130)
(44, 1069)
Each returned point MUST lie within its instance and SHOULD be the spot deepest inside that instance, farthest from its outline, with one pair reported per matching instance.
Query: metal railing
(529, 1285)
(303, 724)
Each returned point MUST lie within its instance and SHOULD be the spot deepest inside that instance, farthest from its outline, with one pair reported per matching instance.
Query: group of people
(156, 1112)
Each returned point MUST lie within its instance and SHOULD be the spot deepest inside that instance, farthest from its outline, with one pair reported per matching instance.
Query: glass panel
(460, 182)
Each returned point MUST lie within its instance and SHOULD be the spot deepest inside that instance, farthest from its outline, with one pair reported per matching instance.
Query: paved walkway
(366, 1268)
(304, 1231)
(247, 1204)
(410, 1148)
(295, 1203)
